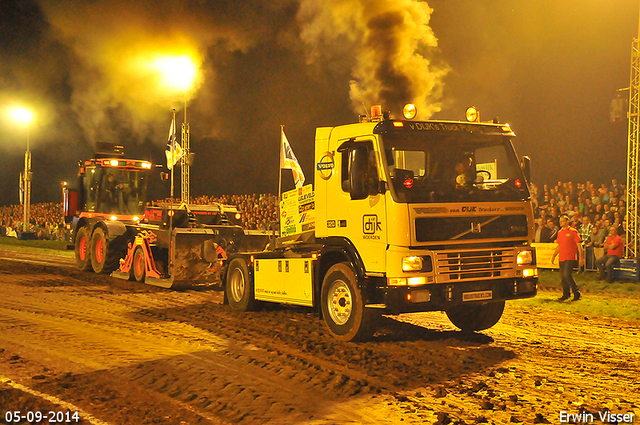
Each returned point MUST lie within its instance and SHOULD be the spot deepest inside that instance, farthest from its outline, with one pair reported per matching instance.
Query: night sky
(548, 68)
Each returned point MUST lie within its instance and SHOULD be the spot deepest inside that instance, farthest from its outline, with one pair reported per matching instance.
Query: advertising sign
(297, 211)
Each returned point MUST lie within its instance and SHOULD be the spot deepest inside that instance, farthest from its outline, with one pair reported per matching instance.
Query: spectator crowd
(45, 221)
(592, 211)
(258, 212)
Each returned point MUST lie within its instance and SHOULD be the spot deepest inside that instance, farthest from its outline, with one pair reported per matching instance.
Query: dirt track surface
(125, 353)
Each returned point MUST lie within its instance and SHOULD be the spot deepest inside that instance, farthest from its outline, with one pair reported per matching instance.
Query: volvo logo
(325, 166)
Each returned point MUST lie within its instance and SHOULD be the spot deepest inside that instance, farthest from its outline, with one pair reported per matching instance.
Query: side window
(372, 172)
(344, 171)
(91, 188)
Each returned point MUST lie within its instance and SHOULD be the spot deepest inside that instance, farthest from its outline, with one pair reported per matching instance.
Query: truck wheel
(104, 259)
(476, 317)
(239, 286)
(138, 267)
(83, 250)
(343, 305)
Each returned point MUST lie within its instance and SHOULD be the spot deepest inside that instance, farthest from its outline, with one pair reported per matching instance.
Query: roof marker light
(398, 124)
(472, 114)
(409, 111)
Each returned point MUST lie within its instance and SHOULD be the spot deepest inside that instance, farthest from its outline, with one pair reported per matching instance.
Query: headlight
(525, 257)
(411, 264)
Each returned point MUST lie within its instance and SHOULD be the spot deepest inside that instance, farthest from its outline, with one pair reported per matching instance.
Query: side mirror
(358, 172)
(525, 164)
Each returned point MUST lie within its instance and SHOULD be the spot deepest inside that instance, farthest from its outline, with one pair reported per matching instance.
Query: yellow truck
(403, 216)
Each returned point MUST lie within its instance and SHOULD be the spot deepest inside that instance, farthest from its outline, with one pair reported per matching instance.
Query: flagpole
(173, 166)
(280, 166)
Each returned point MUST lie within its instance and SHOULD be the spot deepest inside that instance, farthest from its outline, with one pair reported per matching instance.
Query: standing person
(548, 233)
(571, 254)
(539, 227)
(613, 248)
(585, 231)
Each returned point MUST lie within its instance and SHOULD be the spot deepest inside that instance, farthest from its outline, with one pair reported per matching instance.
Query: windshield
(115, 190)
(453, 167)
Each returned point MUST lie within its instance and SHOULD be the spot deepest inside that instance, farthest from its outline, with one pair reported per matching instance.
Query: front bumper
(440, 297)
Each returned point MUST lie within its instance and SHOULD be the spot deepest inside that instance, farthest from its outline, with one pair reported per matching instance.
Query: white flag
(288, 161)
(174, 151)
(21, 189)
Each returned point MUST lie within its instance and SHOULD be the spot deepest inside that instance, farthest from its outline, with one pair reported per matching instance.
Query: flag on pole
(288, 161)
(174, 151)
(21, 186)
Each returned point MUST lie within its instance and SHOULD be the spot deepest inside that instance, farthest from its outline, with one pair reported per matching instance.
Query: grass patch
(45, 247)
(589, 284)
(589, 306)
(619, 299)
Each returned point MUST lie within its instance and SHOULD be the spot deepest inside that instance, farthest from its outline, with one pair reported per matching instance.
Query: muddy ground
(121, 353)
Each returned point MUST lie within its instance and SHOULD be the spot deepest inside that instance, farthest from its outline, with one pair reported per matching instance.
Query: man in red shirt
(571, 255)
(613, 246)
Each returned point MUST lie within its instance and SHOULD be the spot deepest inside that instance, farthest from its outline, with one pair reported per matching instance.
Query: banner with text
(297, 211)
(544, 255)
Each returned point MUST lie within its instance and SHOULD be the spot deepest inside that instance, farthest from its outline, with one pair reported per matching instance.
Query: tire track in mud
(290, 345)
(274, 365)
(182, 357)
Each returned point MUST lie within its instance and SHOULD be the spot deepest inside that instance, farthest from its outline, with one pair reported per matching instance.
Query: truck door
(356, 209)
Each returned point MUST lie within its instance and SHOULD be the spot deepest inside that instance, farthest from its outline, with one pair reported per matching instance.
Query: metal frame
(184, 162)
(631, 249)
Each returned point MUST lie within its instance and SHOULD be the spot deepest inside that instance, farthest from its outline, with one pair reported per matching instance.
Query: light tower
(179, 73)
(24, 116)
(633, 151)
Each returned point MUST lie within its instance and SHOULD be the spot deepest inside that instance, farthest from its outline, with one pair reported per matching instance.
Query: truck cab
(438, 212)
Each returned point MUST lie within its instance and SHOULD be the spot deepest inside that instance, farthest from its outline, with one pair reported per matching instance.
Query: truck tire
(239, 286)
(138, 267)
(83, 249)
(103, 259)
(476, 317)
(343, 305)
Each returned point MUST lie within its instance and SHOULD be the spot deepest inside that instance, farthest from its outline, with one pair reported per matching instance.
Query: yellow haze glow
(176, 72)
(21, 115)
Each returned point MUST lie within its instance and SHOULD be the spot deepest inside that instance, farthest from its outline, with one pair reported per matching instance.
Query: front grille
(475, 264)
(431, 229)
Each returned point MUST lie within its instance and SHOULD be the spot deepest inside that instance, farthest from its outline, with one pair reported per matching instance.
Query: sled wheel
(138, 267)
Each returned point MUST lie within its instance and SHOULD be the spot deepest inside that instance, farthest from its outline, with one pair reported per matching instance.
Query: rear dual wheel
(83, 249)
(104, 256)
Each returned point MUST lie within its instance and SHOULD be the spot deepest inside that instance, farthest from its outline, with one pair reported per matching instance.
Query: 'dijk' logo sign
(370, 224)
